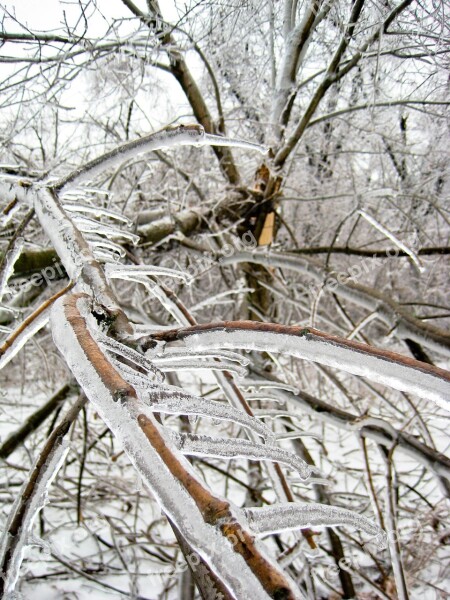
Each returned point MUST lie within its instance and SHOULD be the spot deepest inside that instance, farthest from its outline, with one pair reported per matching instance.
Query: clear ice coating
(182, 354)
(135, 378)
(291, 516)
(203, 445)
(413, 256)
(181, 135)
(95, 241)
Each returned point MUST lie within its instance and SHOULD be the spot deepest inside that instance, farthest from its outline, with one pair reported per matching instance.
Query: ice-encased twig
(288, 517)
(92, 226)
(181, 354)
(12, 549)
(203, 445)
(111, 345)
(195, 512)
(23, 337)
(218, 140)
(138, 380)
(97, 211)
(388, 310)
(95, 241)
(128, 272)
(175, 364)
(413, 256)
(8, 265)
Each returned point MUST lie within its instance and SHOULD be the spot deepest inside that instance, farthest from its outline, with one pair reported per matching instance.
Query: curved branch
(392, 369)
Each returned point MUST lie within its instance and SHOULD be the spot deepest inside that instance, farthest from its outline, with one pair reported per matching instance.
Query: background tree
(330, 215)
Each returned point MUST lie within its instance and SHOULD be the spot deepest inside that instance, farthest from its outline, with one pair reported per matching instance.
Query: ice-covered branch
(129, 272)
(182, 135)
(382, 432)
(31, 499)
(202, 519)
(392, 369)
(8, 265)
(27, 329)
(75, 253)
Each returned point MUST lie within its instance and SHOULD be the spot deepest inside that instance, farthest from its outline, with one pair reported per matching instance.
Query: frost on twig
(287, 517)
(171, 400)
(203, 445)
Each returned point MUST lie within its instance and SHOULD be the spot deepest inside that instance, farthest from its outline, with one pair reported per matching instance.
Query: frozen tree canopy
(224, 302)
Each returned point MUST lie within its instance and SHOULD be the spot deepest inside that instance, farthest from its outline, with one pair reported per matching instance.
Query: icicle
(171, 400)
(24, 336)
(288, 517)
(413, 256)
(181, 354)
(106, 257)
(10, 261)
(100, 242)
(203, 445)
(173, 364)
(124, 271)
(214, 299)
(135, 357)
(91, 226)
(136, 379)
(97, 211)
(263, 383)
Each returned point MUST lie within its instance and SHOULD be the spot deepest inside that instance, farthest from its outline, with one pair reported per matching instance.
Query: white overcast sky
(48, 14)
